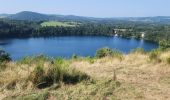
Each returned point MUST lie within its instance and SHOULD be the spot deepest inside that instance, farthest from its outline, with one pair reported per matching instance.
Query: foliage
(38, 76)
(91, 60)
(74, 56)
(4, 56)
(103, 52)
(168, 60)
(58, 72)
(154, 55)
(164, 44)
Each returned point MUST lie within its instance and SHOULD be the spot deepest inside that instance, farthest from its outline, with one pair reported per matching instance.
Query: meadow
(57, 23)
(110, 75)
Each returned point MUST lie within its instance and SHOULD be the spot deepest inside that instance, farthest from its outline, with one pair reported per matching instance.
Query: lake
(67, 46)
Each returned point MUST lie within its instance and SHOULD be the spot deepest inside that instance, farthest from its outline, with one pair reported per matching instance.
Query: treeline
(82, 30)
(16, 29)
(24, 29)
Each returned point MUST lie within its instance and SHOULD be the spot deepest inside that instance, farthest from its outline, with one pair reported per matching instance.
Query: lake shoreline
(67, 46)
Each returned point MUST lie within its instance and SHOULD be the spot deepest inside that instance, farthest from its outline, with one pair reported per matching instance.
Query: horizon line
(85, 16)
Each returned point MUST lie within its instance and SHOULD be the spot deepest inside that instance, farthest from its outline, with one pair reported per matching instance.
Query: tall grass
(138, 50)
(104, 52)
(2, 66)
(34, 59)
(58, 72)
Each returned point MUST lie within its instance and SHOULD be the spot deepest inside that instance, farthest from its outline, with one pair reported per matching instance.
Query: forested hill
(30, 24)
(31, 16)
(34, 16)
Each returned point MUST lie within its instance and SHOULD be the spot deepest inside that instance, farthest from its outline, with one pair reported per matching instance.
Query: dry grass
(140, 78)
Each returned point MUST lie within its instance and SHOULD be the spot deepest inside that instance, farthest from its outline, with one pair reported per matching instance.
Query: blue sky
(93, 8)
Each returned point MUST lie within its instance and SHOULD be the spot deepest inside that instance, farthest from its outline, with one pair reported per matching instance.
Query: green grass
(56, 23)
(58, 71)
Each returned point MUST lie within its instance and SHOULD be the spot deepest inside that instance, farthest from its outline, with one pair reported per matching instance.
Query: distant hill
(4, 15)
(155, 19)
(27, 15)
(34, 16)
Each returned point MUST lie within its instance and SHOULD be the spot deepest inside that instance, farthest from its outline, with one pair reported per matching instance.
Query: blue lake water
(67, 46)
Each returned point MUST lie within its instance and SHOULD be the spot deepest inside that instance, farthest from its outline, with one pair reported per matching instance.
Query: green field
(56, 23)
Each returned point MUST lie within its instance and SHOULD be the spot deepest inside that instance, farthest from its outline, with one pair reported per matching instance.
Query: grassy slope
(55, 23)
(140, 79)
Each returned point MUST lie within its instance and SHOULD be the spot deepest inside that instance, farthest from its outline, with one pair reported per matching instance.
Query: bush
(103, 52)
(59, 61)
(57, 73)
(74, 56)
(91, 60)
(38, 76)
(4, 56)
(168, 60)
(164, 44)
(66, 75)
(108, 52)
(154, 55)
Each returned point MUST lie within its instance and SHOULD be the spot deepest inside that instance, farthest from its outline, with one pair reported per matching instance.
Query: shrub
(4, 56)
(57, 73)
(38, 76)
(154, 55)
(66, 75)
(59, 61)
(168, 60)
(91, 60)
(103, 52)
(74, 56)
(164, 44)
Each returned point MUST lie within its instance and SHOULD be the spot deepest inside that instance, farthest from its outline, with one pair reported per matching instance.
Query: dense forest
(155, 32)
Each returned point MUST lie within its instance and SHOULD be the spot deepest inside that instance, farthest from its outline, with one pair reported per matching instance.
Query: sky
(91, 8)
